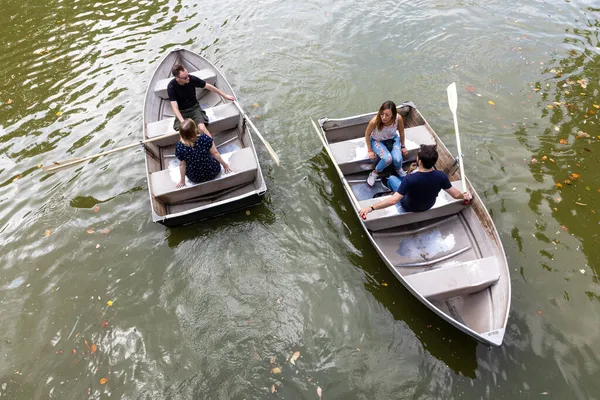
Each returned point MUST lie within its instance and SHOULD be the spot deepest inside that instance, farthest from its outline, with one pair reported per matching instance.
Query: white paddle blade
(452, 98)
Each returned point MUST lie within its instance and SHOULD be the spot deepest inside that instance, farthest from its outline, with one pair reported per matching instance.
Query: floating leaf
(562, 141)
(564, 228)
(103, 381)
(273, 359)
(73, 351)
(294, 357)
(549, 106)
(90, 231)
(255, 105)
(97, 208)
(104, 324)
(582, 134)
(58, 113)
(17, 177)
(276, 370)
(580, 204)
(574, 176)
(109, 303)
(93, 348)
(106, 231)
(319, 391)
(470, 89)
(559, 185)
(273, 388)
(491, 103)
(544, 158)
(9, 101)
(48, 232)
(596, 106)
(384, 283)
(97, 245)
(247, 212)
(534, 160)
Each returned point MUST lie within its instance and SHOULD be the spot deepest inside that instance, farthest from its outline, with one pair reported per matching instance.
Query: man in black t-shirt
(417, 191)
(182, 95)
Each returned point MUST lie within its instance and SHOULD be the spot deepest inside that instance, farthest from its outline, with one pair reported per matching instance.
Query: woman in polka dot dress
(200, 159)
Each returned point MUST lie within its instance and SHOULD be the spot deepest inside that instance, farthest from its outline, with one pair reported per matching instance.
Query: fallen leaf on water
(574, 176)
(276, 370)
(97, 245)
(9, 101)
(534, 160)
(582, 271)
(549, 106)
(17, 177)
(491, 103)
(97, 208)
(564, 228)
(294, 357)
(273, 359)
(255, 105)
(384, 283)
(544, 158)
(73, 351)
(319, 391)
(567, 181)
(544, 393)
(559, 185)
(586, 149)
(470, 89)
(247, 212)
(93, 348)
(582, 134)
(539, 312)
(562, 141)
(104, 324)
(48, 232)
(580, 204)
(551, 160)
(58, 113)
(103, 381)
(596, 106)
(90, 231)
(59, 351)
(85, 342)
(106, 231)
(273, 388)
(109, 303)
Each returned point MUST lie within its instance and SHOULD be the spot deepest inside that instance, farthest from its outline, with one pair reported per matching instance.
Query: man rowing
(182, 95)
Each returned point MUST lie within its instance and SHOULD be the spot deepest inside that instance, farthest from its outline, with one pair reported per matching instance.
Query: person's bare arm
(182, 172)
(219, 92)
(455, 193)
(401, 132)
(390, 201)
(368, 132)
(215, 153)
(176, 111)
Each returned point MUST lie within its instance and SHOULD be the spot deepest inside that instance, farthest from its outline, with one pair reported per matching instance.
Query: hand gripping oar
(267, 145)
(453, 103)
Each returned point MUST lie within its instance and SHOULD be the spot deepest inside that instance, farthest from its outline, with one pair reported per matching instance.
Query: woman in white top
(385, 139)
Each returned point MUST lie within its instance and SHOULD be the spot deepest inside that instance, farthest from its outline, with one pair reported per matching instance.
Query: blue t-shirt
(421, 189)
(200, 165)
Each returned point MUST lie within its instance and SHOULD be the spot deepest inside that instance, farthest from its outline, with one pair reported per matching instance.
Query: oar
(453, 103)
(267, 145)
(58, 165)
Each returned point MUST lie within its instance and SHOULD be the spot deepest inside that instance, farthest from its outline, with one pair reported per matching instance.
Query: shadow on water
(444, 342)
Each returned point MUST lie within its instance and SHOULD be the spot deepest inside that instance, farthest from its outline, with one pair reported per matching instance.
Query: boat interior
(228, 129)
(448, 254)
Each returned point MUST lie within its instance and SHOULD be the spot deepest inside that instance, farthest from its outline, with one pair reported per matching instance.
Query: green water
(207, 311)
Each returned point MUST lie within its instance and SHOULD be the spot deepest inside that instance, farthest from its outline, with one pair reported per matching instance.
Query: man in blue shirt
(182, 95)
(418, 191)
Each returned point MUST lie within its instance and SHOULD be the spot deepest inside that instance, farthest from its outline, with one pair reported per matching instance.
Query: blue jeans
(387, 157)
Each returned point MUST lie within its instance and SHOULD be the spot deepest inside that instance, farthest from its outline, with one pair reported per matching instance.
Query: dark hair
(428, 155)
(388, 105)
(188, 131)
(177, 68)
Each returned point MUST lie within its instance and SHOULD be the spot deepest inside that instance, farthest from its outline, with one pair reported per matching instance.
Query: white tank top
(386, 133)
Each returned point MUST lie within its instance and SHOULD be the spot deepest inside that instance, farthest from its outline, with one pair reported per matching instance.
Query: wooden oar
(453, 103)
(58, 165)
(267, 145)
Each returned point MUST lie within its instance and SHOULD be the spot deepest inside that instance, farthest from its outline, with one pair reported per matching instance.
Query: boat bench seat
(459, 279)
(396, 215)
(220, 118)
(207, 75)
(352, 157)
(243, 163)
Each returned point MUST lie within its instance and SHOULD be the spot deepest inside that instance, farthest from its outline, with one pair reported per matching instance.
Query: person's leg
(385, 158)
(396, 153)
(394, 183)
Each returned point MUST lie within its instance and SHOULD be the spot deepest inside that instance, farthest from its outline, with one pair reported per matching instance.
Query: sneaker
(371, 178)
(401, 173)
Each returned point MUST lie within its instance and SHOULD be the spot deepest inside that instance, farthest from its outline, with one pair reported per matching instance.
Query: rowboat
(450, 257)
(227, 123)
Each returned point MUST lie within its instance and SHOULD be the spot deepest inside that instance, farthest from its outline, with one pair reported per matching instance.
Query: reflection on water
(210, 310)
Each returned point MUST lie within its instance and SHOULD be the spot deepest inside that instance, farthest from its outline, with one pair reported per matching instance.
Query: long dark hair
(388, 105)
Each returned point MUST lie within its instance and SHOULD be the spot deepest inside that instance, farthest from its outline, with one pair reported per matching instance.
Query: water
(209, 310)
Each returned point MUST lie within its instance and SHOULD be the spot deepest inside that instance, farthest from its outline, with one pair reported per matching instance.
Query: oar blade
(452, 97)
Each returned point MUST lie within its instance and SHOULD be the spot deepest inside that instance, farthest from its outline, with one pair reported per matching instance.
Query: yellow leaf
(567, 92)
(549, 106)
(17, 177)
(559, 185)
(276, 370)
(103, 381)
(255, 105)
(59, 113)
(294, 357)
(109, 303)
(491, 103)
(574, 176)
(596, 106)
(90, 231)
(273, 359)
(247, 212)
(384, 283)
(48, 232)
(93, 349)
(273, 388)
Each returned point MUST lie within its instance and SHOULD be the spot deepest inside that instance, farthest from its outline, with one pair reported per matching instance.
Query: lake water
(208, 311)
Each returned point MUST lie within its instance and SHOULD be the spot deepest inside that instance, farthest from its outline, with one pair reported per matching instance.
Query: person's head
(188, 131)
(427, 155)
(181, 74)
(387, 112)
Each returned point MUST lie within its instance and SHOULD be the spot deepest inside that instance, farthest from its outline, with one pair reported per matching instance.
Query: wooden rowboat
(228, 192)
(450, 257)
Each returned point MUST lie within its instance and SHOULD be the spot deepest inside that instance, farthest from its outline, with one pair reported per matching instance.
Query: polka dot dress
(200, 166)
